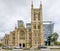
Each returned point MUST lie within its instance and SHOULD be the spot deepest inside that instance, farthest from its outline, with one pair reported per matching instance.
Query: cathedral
(22, 37)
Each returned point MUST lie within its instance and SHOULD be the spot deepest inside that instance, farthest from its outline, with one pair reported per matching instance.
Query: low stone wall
(54, 47)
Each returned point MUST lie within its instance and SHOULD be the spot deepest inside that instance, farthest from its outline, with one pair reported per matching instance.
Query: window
(38, 26)
(29, 37)
(13, 37)
(22, 34)
(35, 42)
(6, 37)
(7, 41)
(29, 30)
(39, 16)
(35, 34)
(34, 16)
(38, 34)
(34, 26)
(38, 42)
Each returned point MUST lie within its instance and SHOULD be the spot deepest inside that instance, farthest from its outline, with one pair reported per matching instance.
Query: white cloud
(13, 10)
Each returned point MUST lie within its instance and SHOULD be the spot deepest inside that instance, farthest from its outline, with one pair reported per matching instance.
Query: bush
(0, 44)
(26, 49)
(8, 49)
(36, 48)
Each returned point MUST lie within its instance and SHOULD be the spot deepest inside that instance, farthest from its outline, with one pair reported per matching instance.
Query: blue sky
(13, 10)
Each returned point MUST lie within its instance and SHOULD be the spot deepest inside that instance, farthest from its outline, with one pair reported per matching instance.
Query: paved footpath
(29, 50)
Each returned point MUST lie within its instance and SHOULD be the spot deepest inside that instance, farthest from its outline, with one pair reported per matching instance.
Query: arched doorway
(23, 45)
(20, 45)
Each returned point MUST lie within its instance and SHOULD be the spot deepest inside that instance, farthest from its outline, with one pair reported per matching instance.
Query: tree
(54, 37)
(57, 43)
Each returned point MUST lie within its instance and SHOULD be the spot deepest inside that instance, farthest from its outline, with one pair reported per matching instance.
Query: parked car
(17, 47)
(4, 47)
(9, 47)
(42, 46)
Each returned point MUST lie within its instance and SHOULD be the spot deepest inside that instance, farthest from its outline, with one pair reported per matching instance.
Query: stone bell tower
(37, 26)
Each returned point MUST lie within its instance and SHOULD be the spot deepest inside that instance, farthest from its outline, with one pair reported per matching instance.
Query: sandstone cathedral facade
(22, 37)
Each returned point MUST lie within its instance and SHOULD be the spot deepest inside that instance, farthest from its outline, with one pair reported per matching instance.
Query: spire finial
(32, 4)
(40, 3)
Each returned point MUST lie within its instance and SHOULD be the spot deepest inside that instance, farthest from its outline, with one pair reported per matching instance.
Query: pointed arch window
(34, 26)
(38, 26)
(22, 34)
(34, 16)
(39, 16)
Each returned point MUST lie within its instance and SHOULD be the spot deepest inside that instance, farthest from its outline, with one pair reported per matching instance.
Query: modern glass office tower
(20, 22)
(48, 30)
(28, 26)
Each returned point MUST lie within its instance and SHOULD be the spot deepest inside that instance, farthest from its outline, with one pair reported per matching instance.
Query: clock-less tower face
(36, 26)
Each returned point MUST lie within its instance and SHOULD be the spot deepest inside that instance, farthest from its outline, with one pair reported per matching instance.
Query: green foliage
(36, 48)
(1, 44)
(54, 37)
(9, 49)
(26, 49)
(57, 43)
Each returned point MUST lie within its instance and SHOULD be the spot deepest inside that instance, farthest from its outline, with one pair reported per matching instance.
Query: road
(29, 50)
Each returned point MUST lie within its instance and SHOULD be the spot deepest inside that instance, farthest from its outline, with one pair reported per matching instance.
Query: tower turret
(41, 25)
(32, 5)
(36, 26)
